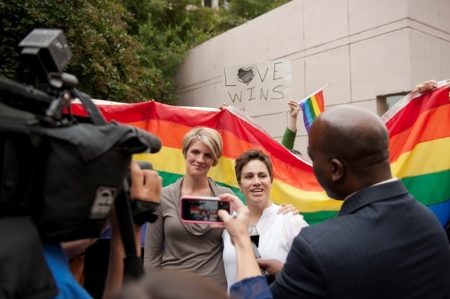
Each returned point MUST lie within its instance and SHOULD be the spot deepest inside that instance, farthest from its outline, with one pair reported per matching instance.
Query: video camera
(61, 174)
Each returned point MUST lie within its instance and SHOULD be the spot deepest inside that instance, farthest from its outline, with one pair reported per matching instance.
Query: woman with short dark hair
(254, 173)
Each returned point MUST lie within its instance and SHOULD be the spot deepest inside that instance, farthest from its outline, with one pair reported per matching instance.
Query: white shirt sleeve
(293, 227)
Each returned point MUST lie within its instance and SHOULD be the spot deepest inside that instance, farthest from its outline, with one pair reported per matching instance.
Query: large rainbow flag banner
(311, 108)
(294, 180)
(418, 126)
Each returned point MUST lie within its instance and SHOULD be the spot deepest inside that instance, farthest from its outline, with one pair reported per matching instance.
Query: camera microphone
(254, 237)
(153, 143)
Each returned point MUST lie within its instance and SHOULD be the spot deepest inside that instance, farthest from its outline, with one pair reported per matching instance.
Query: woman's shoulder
(295, 222)
(291, 219)
(170, 192)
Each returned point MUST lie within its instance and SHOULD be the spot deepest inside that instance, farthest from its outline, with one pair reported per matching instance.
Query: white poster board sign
(266, 83)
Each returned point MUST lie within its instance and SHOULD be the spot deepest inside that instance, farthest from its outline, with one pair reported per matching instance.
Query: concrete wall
(364, 48)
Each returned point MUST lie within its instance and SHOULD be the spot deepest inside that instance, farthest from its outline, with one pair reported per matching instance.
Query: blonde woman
(172, 244)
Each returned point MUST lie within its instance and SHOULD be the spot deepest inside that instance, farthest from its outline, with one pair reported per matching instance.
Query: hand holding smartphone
(202, 209)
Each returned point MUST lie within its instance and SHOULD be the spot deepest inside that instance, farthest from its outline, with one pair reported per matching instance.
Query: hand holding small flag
(311, 107)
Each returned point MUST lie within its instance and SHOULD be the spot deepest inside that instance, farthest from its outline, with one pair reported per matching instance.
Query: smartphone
(202, 209)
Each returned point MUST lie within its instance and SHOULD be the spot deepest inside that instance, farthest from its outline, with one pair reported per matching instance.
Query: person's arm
(145, 185)
(114, 275)
(293, 113)
(288, 139)
(250, 284)
(272, 266)
(237, 227)
(73, 248)
(291, 130)
(154, 239)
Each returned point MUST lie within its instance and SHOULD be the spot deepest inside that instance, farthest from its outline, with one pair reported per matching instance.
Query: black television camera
(58, 175)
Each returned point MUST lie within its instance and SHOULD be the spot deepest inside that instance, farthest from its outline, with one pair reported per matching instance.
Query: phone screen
(202, 210)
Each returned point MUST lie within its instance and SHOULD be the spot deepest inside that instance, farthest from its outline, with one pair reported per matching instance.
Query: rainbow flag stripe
(294, 180)
(311, 108)
(419, 133)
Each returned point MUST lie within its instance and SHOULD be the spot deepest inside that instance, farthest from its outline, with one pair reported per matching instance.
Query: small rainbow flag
(311, 108)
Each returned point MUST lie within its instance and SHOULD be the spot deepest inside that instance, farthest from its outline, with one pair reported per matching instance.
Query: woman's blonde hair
(210, 137)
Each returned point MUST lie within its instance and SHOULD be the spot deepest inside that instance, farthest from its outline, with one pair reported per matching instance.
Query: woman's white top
(276, 233)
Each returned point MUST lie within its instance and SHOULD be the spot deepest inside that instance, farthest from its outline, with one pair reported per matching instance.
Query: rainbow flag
(294, 180)
(419, 130)
(311, 108)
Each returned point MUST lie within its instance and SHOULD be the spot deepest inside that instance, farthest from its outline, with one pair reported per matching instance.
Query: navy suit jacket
(383, 244)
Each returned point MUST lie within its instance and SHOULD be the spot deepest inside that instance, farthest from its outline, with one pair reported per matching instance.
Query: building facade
(371, 51)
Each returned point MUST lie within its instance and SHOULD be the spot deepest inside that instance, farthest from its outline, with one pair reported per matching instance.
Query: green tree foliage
(167, 30)
(123, 50)
(106, 59)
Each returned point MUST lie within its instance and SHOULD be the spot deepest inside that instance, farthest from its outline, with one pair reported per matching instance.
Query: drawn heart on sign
(245, 75)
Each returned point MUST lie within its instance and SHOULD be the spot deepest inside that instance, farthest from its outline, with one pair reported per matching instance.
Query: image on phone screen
(203, 210)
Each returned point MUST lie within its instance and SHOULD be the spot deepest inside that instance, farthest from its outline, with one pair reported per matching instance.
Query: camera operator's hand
(145, 184)
(236, 226)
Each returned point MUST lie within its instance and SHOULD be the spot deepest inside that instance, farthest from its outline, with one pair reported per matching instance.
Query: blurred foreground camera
(53, 168)
(59, 178)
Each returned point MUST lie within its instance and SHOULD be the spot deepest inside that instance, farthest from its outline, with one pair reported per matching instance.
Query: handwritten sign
(265, 83)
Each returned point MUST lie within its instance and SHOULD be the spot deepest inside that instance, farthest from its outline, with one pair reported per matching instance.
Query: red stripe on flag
(406, 117)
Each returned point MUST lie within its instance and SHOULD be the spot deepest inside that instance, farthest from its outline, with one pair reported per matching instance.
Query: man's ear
(337, 170)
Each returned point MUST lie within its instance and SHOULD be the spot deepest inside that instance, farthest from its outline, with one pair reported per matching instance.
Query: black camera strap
(132, 263)
(93, 111)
